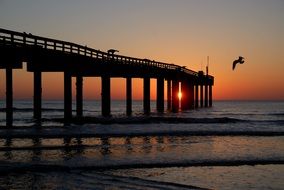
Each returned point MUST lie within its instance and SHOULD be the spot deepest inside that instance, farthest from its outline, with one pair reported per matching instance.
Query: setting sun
(179, 95)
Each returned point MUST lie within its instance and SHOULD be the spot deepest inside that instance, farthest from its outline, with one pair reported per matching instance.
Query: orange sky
(180, 32)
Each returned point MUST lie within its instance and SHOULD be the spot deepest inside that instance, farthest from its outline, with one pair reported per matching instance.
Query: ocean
(232, 145)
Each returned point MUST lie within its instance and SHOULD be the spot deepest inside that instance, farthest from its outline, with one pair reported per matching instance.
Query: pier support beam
(106, 96)
(186, 95)
(191, 97)
(175, 100)
(146, 95)
(160, 95)
(128, 96)
(37, 95)
(196, 96)
(9, 97)
(201, 95)
(79, 96)
(187, 100)
(67, 97)
(210, 95)
(169, 95)
(206, 94)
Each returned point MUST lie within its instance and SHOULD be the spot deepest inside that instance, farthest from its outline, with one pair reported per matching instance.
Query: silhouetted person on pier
(240, 61)
(112, 51)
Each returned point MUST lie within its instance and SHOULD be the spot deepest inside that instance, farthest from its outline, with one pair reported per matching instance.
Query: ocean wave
(279, 122)
(276, 114)
(7, 167)
(55, 147)
(90, 132)
(31, 109)
(92, 180)
(248, 114)
(164, 120)
(129, 182)
(140, 120)
(146, 120)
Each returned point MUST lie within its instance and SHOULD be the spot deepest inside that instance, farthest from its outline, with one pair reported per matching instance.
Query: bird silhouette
(240, 61)
(112, 51)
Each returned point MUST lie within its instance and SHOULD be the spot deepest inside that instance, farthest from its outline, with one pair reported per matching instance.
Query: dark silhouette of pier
(49, 55)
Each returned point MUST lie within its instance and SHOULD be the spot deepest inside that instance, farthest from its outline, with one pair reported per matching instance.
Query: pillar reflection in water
(105, 146)
(37, 152)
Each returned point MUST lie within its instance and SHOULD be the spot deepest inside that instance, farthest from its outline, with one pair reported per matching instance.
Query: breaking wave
(6, 167)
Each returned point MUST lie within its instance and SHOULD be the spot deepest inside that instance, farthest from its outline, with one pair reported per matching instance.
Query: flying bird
(112, 51)
(240, 61)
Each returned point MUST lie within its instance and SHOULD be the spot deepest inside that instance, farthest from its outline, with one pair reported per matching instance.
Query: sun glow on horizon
(210, 30)
(179, 95)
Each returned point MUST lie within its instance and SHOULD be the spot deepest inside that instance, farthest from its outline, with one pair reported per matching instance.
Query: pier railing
(9, 37)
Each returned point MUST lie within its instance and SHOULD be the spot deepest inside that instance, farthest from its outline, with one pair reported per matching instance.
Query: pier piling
(106, 96)
(128, 96)
(146, 95)
(186, 94)
(210, 95)
(206, 94)
(191, 97)
(67, 97)
(169, 94)
(37, 95)
(196, 96)
(201, 95)
(160, 95)
(9, 96)
(175, 100)
(79, 96)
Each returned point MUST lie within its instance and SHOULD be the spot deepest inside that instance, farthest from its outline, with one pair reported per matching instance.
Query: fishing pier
(50, 55)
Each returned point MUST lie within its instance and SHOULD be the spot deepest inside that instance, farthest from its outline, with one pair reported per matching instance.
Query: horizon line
(74, 100)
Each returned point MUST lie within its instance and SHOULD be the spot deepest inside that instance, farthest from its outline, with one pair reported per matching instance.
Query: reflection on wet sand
(36, 153)
(66, 148)
(175, 149)
(8, 154)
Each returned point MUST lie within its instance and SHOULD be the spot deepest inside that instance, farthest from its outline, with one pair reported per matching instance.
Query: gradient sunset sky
(182, 32)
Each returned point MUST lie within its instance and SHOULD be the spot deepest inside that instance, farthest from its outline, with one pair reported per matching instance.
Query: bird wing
(234, 64)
